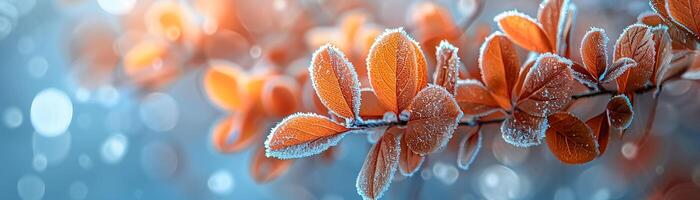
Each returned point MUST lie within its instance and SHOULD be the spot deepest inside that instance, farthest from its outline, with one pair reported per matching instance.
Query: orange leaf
(620, 112)
(335, 81)
(370, 107)
(523, 130)
(524, 31)
(469, 147)
(265, 169)
(499, 62)
(594, 51)
(617, 68)
(571, 140)
(379, 168)
(221, 84)
(311, 101)
(448, 64)
(548, 86)
(551, 15)
(245, 126)
(409, 162)
(474, 99)
(396, 69)
(686, 13)
(601, 129)
(280, 96)
(636, 42)
(434, 116)
(302, 135)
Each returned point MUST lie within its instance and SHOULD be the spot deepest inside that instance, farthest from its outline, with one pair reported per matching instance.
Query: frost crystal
(524, 132)
(469, 147)
(389, 116)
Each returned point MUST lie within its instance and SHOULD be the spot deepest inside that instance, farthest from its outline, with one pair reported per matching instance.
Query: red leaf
(664, 54)
(499, 67)
(594, 51)
(571, 140)
(636, 42)
(551, 15)
(601, 129)
(303, 134)
(469, 147)
(583, 76)
(264, 169)
(686, 13)
(409, 162)
(523, 130)
(335, 81)
(379, 168)
(474, 99)
(547, 87)
(617, 68)
(620, 112)
(448, 64)
(434, 116)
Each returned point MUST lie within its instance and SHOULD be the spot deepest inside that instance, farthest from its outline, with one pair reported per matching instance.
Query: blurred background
(171, 99)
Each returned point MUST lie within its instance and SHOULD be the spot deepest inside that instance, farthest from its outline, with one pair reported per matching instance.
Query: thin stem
(365, 124)
(642, 90)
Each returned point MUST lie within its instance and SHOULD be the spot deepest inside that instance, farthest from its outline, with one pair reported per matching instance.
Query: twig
(642, 90)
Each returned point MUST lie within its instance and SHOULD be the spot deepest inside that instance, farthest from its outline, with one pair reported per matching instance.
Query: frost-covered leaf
(650, 19)
(409, 162)
(499, 63)
(265, 169)
(524, 70)
(434, 117)
(686, 13)
(221, 83)
(370, 107)
(552, 17)
(601, 129)
(335, 81)
(547, 87)
(237, 132)
(447, 68)
(594, 51)
(664, 54)
(524, 31)
(469, 147)
(571, 140)
(523, 130)
(617, 68)
(583, 76)
(379, 168)
(397, 69)
(636, 42)
(474, 99)
(620, 112)
(682, 38)
(303, 134)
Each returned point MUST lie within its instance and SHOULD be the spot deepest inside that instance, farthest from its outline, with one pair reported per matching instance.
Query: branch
(642, 90)
(365, 124)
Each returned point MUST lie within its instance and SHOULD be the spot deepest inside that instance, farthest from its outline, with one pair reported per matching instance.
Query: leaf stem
(366, 124)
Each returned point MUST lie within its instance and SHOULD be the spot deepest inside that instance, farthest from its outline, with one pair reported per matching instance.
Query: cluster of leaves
(528, 100)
